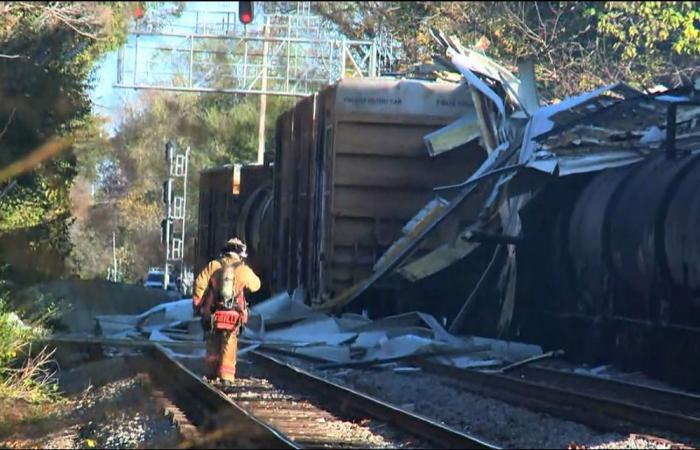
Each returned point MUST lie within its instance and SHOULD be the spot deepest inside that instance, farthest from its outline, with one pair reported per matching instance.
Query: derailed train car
(235, 201)
(608, 263)
(611, 266)
(350, 169)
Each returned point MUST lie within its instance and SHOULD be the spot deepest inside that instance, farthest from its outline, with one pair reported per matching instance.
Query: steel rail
(583, 399)
(219, 418)
(685, 402)
(222, 420)
(212, 409)
(349, 399)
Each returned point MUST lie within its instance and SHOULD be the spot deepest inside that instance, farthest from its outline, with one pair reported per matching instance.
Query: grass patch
(25, 373)
(29, 394)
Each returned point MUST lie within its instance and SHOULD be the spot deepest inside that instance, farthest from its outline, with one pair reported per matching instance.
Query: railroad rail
(287, 412)
(353, 403)
(598, 402)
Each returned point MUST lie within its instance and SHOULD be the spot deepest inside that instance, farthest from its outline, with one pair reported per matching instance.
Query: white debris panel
(283, 323)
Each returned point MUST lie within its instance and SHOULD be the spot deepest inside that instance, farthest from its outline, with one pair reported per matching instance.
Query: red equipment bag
(226, 320)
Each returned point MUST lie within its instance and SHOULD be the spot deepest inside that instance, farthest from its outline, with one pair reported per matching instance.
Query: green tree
(48, 50)
(47, 54)
(576, 45)
(219, 129)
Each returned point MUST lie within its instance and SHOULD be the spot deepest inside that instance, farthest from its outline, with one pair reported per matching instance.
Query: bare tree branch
(8, 189)
(12, 116)
(69, 15)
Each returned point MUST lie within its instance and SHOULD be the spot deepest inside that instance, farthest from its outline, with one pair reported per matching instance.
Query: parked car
(155, 278)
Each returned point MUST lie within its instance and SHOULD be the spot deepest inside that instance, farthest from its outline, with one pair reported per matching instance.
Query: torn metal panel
(527, 90)
(597, 123)
(545, 118)
(590, 163)
(281, 309)
(493, 131)
(371, 339)
(351, 321)
(496, 156)
(507, 350)
(437, 260)
(479, 63)
(417, 224)
(158, 336)
(413, 319)
(167, 313)
(460, 132)
(160, 316)
(402, 346)
(547, 164)
(465, 65)
(573, 164)
(323, 330)
(484, 121)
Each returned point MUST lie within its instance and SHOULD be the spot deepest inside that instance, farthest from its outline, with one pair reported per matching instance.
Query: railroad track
(276, 405)
(350, 403)
(602, 403)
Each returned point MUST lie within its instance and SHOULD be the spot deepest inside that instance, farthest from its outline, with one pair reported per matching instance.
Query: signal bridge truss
(285, 54)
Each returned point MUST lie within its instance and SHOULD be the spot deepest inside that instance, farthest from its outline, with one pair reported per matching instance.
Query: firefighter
(219, 298)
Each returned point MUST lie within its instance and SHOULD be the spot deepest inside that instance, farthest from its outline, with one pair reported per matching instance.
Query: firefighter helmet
(235, 245)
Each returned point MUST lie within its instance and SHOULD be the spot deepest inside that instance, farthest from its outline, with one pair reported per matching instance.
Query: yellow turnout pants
(221, 354)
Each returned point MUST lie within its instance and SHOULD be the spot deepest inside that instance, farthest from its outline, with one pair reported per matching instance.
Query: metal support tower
(175, 197)
(280, 54)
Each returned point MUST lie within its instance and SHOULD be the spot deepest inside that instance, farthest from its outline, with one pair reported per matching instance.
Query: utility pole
(263, 97)
(114, 256)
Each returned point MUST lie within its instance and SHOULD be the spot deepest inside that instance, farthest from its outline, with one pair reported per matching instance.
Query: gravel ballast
(492, 420)
(117, 414)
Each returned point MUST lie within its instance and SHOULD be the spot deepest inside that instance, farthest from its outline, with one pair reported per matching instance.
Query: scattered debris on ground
(284, 323)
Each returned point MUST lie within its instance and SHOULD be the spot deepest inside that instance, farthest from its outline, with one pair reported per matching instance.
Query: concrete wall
(81, 300)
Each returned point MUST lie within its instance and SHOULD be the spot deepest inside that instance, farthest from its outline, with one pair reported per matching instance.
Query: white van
(154, 279)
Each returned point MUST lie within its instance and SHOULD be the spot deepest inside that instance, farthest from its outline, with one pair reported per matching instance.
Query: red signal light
(138, 12)
(245, 12)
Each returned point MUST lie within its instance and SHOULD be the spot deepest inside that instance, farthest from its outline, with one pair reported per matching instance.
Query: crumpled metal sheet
(402, 346)
(472, 62)
(160, 316)
(596, 131)
(348, 338)
(570, 165)
(437, 260)
(418, 223)
(314, 330)
(462, 131)
(544, 119)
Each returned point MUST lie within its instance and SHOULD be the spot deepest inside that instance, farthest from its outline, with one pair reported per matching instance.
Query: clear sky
(107, 99)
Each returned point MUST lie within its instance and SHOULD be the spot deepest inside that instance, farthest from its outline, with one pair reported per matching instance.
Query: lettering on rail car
(453, 103)
(373, 100)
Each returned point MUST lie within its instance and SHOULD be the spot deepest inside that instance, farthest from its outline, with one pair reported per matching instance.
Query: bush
(23, 373)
